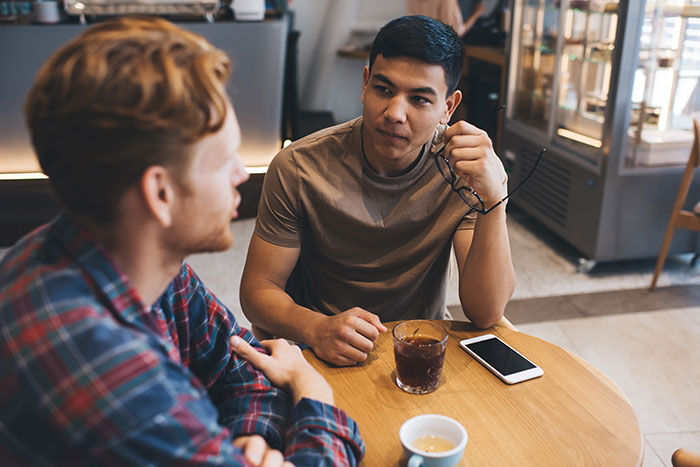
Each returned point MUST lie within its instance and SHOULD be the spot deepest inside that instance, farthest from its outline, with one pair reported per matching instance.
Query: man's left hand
(470, 152)
(258, 453)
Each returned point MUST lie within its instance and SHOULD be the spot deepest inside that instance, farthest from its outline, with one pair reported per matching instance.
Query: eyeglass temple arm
(532, 170)
(483, 119)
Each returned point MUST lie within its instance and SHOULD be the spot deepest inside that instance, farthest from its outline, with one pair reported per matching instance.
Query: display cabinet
(609, 88)
(665, 84)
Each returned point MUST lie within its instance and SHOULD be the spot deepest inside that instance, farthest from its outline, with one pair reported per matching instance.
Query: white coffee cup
(433, 425)
(46, 12)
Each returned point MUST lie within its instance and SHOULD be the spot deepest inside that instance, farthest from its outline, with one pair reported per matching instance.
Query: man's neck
(146, 263)
(388, 168)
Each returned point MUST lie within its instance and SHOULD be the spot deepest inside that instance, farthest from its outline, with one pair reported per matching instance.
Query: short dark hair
(425, 39)
(125, 95)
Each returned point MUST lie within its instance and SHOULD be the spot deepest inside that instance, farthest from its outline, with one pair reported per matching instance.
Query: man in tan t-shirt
(356, 222)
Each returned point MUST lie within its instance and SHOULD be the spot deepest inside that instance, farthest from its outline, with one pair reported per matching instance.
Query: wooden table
(573, 415)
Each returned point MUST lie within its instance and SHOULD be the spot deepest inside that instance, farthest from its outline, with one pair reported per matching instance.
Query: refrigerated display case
(608, 87)
(665, 91)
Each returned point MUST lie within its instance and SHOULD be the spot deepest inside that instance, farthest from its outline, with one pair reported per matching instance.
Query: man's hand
(286, 368)
(258, 453)
(470, 152)
(346, 338)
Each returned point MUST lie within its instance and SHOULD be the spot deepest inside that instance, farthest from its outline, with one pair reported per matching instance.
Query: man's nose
(240, 174)
(396, 110)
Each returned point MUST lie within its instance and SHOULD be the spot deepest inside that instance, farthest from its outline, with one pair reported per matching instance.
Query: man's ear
(450, 106)
(158, 193)
(365, 80)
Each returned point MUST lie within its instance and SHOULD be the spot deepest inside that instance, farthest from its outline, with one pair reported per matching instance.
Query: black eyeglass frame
(452, 178)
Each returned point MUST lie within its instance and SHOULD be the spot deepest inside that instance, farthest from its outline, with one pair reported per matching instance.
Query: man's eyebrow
(424, 90)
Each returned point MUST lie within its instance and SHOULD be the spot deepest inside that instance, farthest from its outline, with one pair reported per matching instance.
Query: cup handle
(415, 461)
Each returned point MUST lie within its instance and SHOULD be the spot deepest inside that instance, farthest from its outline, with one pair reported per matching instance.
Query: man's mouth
(391, 135)
(236, 203)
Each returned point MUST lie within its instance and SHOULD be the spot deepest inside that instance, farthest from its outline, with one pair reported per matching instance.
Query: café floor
(647, 343)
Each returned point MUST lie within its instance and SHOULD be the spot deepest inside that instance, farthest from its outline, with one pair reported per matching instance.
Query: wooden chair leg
(664, 251)
(684, 458)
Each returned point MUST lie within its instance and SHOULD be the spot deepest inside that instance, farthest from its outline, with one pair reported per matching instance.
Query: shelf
(597, 118)
(543, 49)
(656, 147)
(490, 54)
(684, 11)
(535, 95)
(594, 12)
(353, 53)
(575, 58)
(583, 6)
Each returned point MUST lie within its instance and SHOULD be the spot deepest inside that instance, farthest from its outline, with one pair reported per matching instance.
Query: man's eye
(420, 100)
(381, 89)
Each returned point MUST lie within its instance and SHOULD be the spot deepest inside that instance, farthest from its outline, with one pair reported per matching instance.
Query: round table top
(572, 415)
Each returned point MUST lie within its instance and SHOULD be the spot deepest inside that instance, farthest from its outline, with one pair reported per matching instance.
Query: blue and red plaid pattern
(90, 374)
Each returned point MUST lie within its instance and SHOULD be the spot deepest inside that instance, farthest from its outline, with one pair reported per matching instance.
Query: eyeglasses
(469, 196)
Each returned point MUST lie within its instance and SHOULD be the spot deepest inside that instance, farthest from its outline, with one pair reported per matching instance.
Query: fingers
(274, 346)
(345, 348)
(371, 318)
(258, 453)
(469, 147)
(352, 337)
(253, 448)
(247, 352)
(462, 128)
(355, 353)
(273, 458)
(350, 357)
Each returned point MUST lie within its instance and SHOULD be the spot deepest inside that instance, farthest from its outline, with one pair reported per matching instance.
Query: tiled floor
(647, 344)
(654, 358)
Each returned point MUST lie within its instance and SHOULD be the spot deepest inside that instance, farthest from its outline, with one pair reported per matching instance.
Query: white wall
(328, 82)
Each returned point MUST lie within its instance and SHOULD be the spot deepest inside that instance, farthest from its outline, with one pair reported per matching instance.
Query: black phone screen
(500, 356)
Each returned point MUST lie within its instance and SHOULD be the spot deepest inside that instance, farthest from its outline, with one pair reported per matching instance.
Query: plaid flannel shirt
(89, 374)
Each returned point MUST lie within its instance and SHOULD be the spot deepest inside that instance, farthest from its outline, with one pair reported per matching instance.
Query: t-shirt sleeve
(468, 221)
(280, 218)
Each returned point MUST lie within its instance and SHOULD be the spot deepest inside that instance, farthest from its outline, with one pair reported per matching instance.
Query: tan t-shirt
(380, 243)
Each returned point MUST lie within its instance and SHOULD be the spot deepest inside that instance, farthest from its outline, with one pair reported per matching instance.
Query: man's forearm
(273, 310)
(476, 14)
(487, 279)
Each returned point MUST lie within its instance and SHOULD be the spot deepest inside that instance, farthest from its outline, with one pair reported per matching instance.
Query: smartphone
(501, 359)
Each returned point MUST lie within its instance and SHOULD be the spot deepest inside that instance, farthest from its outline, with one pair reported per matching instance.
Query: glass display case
(589, 31)
(666, 86)
(608, 87)
(535, 67)
(577, 38)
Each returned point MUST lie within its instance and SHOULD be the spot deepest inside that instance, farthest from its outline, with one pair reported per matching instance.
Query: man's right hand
(286, 368)
(346, 338)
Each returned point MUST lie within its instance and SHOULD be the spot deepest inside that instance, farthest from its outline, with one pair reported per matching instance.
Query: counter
(257, 51)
